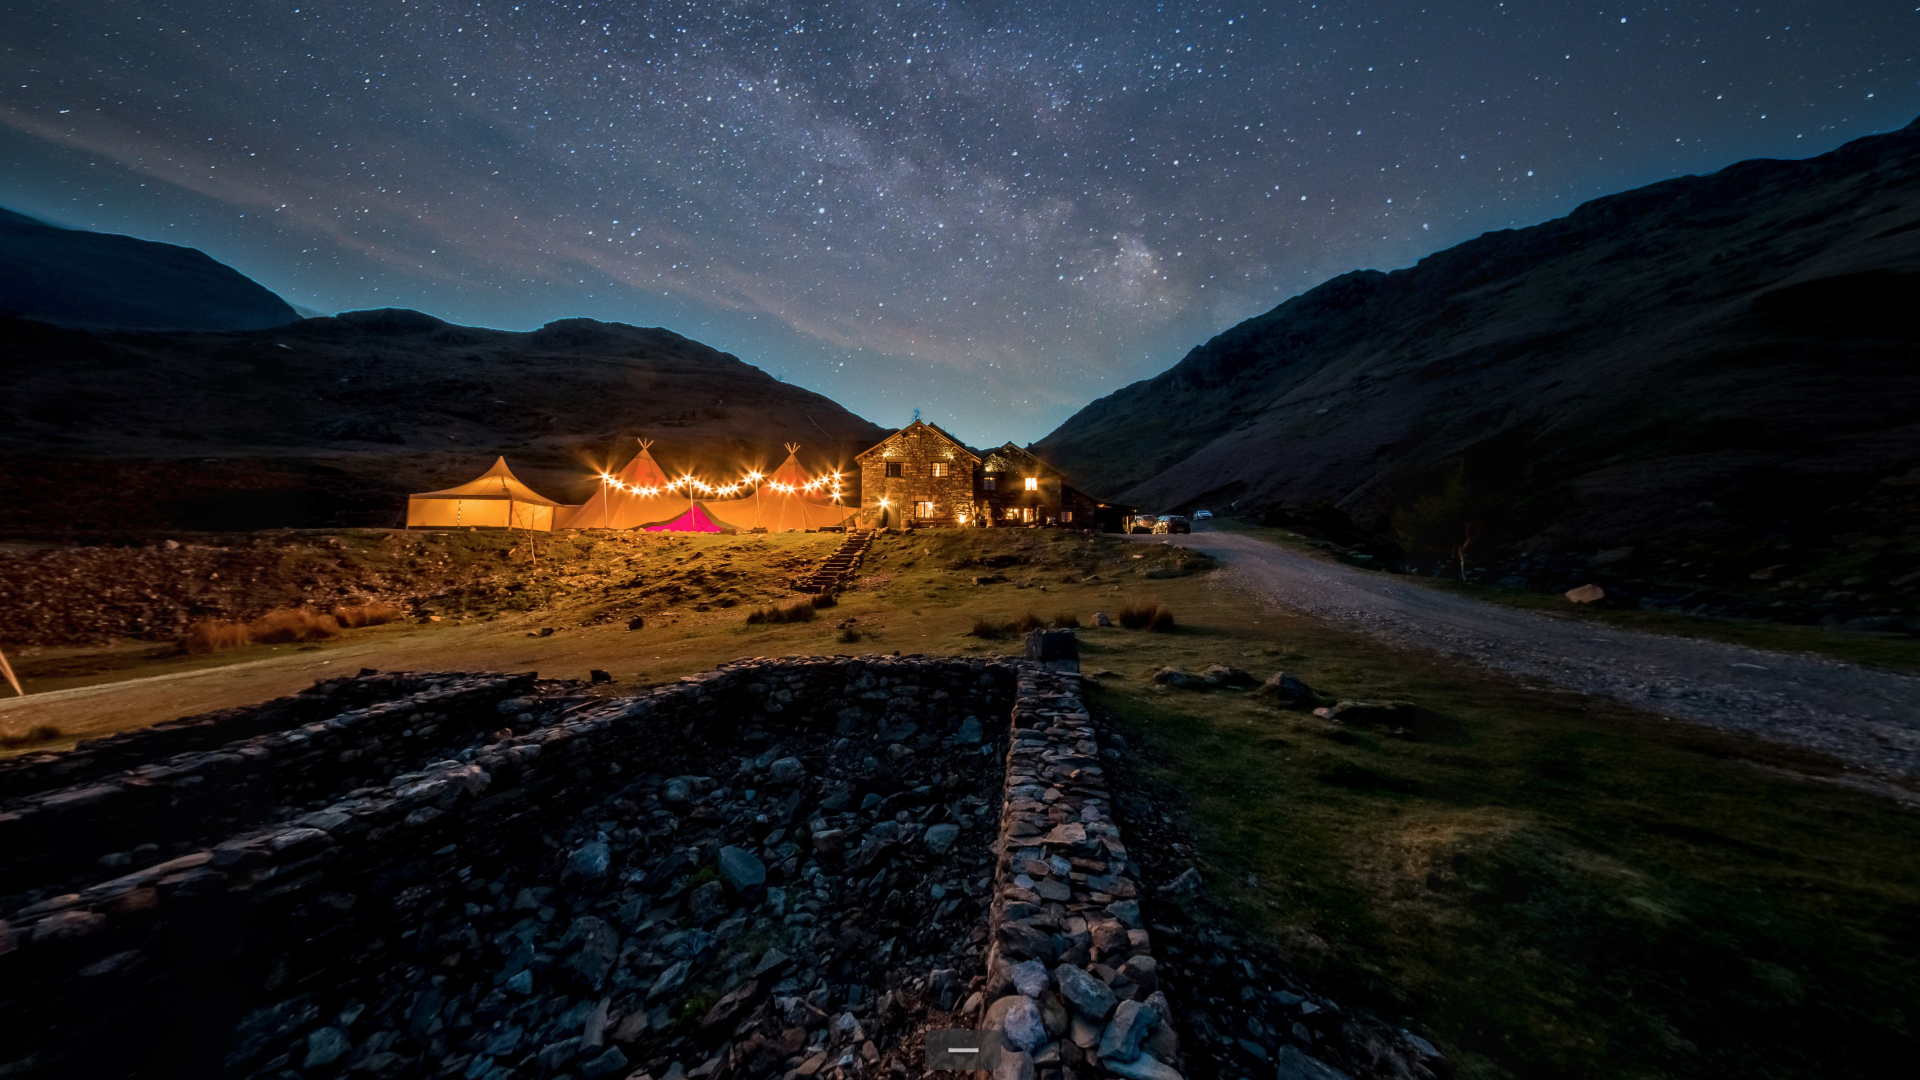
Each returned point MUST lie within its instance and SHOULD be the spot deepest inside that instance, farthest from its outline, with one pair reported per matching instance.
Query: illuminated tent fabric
(496, 499)
(784, 502)
(695, 520)
(614, 508)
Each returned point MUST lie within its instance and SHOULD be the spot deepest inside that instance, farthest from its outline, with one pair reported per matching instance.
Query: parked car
(1142, 524)
(1202, 515)
(1171, 523)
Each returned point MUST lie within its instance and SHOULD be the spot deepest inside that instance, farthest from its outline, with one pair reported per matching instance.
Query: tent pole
(7, 669)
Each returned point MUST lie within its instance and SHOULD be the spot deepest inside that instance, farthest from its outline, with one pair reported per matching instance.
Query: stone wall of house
(916, 449)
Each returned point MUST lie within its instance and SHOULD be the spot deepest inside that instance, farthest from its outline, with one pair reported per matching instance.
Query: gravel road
(1868, 719)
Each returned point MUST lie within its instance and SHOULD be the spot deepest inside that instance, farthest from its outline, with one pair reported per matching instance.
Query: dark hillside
(333, 421)
(1719, 370)
(80, 278)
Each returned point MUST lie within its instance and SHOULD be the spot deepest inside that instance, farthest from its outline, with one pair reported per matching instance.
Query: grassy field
(1544, 884)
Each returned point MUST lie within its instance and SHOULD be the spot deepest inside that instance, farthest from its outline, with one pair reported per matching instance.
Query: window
(939, 468)
(986, 482)
(1066, 516)
(1033, 483)
(1026, 513)
(923, 509)
(893, 468)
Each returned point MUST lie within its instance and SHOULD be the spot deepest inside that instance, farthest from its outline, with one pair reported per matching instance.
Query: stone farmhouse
(921, 476)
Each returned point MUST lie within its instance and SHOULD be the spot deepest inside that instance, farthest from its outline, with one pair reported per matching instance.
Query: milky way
(991, 212)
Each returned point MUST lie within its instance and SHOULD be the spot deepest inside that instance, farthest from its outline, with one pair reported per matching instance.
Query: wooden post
(7, 670)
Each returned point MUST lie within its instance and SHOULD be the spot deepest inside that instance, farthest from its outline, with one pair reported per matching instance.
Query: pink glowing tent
(695, 520)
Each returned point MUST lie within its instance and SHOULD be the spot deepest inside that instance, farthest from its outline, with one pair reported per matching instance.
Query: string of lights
(688, 484)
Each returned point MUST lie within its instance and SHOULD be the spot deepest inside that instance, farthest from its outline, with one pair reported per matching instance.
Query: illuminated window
(1026, 513)
(923, 509)
(893, 468)
(1066, 515)
(1033, 483)
(939, 468)
(987, 482)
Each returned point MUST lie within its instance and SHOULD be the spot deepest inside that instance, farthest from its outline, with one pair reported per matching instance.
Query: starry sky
(992, 212)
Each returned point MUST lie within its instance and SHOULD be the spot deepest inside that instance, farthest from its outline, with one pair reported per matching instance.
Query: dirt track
(1870, 720)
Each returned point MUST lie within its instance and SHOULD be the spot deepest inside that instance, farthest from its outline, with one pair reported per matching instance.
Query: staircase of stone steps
(838, 570)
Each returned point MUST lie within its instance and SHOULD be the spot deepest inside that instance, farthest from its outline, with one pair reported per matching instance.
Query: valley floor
(1868, 719)
(1557, 881)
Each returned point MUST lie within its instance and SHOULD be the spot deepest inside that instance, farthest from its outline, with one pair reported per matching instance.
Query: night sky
(991, 212)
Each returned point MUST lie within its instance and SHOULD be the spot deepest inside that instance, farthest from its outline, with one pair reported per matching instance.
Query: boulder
(1284, 689)
(787, 770)
(1292, 1064)
(1174, 677)
(1586, 594)
(1085, 993)
(1145, 1067)
(1225, 675)
(1187, 884)
(1029, 977)
(589, 861)
(595, 945)
(743, 872)
(940, 838)
(1126, 1031)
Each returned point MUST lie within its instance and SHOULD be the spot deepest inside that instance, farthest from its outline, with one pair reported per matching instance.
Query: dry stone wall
(772, 867)
(781, 868)
(49, 837)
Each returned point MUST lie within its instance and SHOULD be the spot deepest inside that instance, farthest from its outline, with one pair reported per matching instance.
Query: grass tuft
(1161, 621)
(826, 600)
(41, 733)
(354, 616)
(1066, 620)
(792, 613)
(290, 625)
(215, 635)
(848, 635)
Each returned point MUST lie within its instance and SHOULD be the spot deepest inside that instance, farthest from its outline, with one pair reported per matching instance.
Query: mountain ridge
(77, 277)
(1715, 360)
(334, 420)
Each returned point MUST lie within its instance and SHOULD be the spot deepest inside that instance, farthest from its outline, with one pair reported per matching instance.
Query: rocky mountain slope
(80, 278)
(333, 421)
(1721, 369)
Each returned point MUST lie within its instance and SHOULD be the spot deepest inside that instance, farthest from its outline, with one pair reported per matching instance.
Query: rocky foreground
(790, 868)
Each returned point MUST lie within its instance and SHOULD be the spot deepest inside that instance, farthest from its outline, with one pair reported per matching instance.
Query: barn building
(922, 476)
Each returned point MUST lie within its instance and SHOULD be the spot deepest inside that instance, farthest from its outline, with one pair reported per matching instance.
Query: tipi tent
(496, 499)
(785, 501)
(696, 519)
(625, 504)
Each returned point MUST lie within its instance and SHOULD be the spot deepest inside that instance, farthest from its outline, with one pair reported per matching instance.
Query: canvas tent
(619, 507)
(782, 503)
(697, 519)
(496, 499)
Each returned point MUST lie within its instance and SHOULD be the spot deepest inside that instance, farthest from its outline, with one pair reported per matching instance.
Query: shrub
(292, 624)
(1066, 621)
(985, 628)
(353, 616)
(215, 635)
(848, 635)
(1030, 621)
(1162, 621)
(42, 733)
(800, 612)
(826, 600)
(1136, 618)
